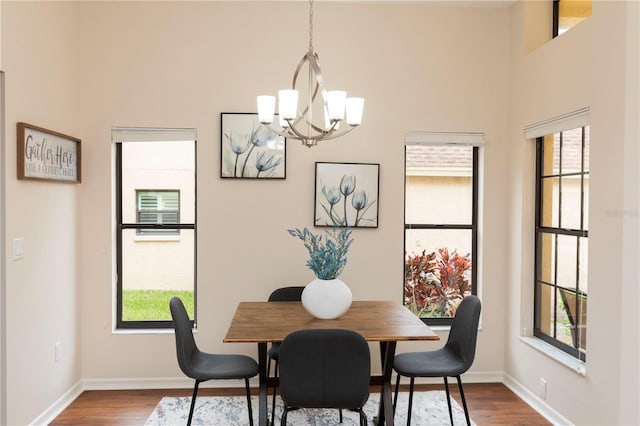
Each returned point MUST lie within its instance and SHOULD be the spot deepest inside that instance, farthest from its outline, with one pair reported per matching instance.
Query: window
(158, 207)
(568, 13)
(562, 222)
(156, 225)
(441, 205)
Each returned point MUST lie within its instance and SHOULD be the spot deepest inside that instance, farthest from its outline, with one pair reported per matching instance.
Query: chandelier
(298, 124)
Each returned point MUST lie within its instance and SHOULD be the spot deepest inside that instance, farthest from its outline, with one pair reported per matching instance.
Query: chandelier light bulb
(288, 104)
(266, 109)
(355, 108)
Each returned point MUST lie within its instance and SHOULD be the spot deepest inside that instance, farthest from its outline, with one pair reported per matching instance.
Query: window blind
(444, 138)
(152, 134)
(571, 120)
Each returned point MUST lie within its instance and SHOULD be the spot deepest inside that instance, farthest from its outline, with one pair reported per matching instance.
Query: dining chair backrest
(185, 343)
(464, 329)
(325, 368)
(286, 294)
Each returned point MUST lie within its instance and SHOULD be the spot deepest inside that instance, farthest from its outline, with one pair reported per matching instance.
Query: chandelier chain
(310, 26)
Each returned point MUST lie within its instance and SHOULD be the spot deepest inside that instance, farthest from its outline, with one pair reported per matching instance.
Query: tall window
(156, 228)
(441, 204)
(568, 13)
(562, 225)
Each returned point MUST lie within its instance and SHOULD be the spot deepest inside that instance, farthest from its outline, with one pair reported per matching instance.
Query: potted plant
(326, 297)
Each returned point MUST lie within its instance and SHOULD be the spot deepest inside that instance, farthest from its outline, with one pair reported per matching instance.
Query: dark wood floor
(489, 404)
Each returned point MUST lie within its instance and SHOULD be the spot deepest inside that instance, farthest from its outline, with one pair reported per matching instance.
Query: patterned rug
(429, 408)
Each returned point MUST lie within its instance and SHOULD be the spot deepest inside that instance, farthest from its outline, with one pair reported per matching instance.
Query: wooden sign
(47, 155)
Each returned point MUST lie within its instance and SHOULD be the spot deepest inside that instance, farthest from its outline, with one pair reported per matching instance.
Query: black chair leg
(283, 419)
(446, 388)
(363, 418)
(193, 402)
(464, 402)
(246, 385)
(275, 389)
(411, 381)
(395, 394)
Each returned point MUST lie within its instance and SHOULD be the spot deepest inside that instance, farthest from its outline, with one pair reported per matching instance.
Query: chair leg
(411, 381)
(395, 394)
(340, 411)
(246, 385)
(193, 401)
(446, 389)
(363, 417)
(283, 419)
(275, 389)
(464, 402)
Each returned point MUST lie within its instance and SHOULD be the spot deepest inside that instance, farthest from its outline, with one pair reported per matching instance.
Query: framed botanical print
(346, 194)
(250, 150)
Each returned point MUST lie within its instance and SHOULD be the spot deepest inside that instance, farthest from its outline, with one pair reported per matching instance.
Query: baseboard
(158, 383)
(535, 402)
(58, 406)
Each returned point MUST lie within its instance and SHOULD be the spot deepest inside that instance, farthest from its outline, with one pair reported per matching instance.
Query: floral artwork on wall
(346, 194)
(250, 150)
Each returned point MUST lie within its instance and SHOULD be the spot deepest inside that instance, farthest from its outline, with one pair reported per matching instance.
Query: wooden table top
(374, 320)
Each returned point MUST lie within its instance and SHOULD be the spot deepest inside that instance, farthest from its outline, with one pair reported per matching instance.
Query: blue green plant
(328, 255)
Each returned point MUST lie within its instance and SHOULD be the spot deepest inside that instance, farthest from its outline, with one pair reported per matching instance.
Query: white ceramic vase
(326, 299)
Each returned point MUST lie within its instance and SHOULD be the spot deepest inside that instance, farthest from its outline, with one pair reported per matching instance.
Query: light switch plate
(18, 248)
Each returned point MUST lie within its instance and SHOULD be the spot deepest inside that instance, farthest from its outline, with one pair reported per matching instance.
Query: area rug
(429, 408)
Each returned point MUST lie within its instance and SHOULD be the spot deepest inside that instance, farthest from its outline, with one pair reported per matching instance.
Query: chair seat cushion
(438, 363)
(207, 366)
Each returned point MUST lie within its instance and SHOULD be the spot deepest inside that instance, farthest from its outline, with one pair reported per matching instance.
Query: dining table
(382, 321)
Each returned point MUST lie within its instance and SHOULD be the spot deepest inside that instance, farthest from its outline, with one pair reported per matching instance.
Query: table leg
(385, 408)
(262, 375)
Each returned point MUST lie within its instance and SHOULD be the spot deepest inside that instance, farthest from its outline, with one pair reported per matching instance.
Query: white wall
(94, 65)
(590, 65)
(182, 64)
(39, 56)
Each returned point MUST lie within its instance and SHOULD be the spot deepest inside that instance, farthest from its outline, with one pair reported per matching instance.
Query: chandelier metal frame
(313, 133)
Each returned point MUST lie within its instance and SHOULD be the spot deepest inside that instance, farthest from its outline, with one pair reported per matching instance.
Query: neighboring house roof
(439, 156)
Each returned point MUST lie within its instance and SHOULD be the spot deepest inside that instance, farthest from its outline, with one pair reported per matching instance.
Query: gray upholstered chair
(282, 294)
(203, 366)
(452, 360)
(324, 368)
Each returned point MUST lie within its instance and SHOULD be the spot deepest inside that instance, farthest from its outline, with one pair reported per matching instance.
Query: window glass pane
(545, 319)
(567, 261)
(572, 12)
(585, 209)
(158, 165)
(439, 186)
(547, 258)
(564, 327)
(437, 271)
(550, 197)
(153, 272)
(571, 202)
(551, 152)
(583, 283)
(572, 151)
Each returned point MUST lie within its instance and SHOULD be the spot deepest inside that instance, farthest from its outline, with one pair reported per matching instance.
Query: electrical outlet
(58, 351)
(542, 388)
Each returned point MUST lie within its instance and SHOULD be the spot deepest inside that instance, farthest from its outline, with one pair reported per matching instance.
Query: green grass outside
(153, 305)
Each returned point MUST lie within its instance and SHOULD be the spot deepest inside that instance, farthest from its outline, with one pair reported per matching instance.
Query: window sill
(140, 331)
(577, 366)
